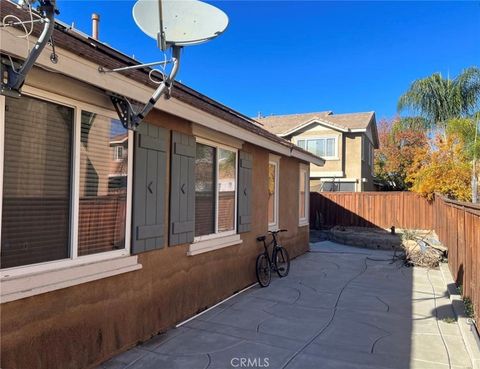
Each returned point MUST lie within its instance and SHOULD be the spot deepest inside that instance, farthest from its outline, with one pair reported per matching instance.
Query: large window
(103, 185)
(57, 205)
(273, 174)
(36, 182)
(215, 190)
(303, 196)
(325, 147)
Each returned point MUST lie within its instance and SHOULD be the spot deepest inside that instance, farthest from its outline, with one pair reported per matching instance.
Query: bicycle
(279, 261)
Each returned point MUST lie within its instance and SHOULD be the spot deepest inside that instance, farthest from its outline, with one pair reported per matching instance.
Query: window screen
(36, 182)
(302, 200)
(226, 189)
(330, 149)
(103, 184)
(205, 195)
(319, 146)
(272, 178)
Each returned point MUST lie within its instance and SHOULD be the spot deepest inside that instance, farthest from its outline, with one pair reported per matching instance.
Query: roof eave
(306, 156)
(313, 121)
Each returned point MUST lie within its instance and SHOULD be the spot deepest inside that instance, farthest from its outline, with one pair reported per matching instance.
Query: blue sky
(282, 57)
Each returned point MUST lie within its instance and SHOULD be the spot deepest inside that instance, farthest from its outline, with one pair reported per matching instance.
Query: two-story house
(345, 141)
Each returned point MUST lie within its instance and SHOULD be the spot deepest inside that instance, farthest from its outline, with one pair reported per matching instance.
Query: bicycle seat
(278, 231)
(260, 238)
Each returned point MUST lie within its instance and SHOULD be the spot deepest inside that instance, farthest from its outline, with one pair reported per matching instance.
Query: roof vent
(95, 23)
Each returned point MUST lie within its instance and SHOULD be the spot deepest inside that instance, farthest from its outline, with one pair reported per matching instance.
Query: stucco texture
(349, 161)
(81, 326)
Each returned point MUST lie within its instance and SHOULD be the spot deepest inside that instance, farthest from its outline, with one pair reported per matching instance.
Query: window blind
(36, 182)
(205, 190)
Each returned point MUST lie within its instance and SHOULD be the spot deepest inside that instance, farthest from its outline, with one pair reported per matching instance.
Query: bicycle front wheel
(264, 273)
(281, 260)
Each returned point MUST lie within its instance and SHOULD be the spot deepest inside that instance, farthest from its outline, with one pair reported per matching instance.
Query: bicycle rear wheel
(281, 260)
(264, 273)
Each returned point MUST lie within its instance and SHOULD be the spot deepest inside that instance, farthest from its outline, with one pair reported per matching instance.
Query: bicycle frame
(273, 242)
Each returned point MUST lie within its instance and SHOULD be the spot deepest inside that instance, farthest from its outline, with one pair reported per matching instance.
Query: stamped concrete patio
(340, 307)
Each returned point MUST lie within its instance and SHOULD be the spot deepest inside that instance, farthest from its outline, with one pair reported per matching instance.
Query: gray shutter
(150, 172)
(182, 189)
(244, 192)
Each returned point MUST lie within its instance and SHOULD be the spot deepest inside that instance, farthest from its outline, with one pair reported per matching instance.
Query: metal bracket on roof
(130, 118)
(13, 79)
(124, 110)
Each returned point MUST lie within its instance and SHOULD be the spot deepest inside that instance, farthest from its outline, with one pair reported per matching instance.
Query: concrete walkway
(340, 307)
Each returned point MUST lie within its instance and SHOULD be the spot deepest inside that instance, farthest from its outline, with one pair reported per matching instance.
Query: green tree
(468, 131)
(438, 100)
(449, 106)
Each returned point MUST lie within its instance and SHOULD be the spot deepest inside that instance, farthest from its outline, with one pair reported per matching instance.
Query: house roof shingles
(280, 124)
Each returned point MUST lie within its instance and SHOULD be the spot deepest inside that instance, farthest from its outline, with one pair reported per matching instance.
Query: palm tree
(467, 130)
(437, 99)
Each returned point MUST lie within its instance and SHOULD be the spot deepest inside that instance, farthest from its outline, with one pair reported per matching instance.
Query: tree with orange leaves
(399, 143)
(442, 168)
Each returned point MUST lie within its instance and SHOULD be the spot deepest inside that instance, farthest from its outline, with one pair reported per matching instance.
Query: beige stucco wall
(367, 185)
(80, 326)
(331, 165)
(353, 156)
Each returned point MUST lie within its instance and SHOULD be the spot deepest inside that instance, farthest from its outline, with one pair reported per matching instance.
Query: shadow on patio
(341, 307)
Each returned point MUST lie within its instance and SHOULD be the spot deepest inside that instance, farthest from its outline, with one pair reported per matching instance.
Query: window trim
(217, 234)
(35, 283)
(304, 169)
(324, 137)
(73, 259)
(116, 156)
(275, 160)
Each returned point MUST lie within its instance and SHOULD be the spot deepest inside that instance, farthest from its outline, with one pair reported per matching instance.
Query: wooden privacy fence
(371, 209)
(457, 225)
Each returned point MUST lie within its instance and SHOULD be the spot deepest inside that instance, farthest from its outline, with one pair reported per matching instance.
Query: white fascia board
(312, 121)
(310, 158)
(71, 65)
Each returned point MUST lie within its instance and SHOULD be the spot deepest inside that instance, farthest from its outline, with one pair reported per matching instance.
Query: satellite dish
(174, 24)
(179, 23)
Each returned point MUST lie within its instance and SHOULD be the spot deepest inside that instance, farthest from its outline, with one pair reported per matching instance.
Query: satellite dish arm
(131, 119)
(166, 84)
(17, 78)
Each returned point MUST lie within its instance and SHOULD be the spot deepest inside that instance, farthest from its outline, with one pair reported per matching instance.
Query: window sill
(19, 287)
(213, 244)
(273, 227)
(303, 223)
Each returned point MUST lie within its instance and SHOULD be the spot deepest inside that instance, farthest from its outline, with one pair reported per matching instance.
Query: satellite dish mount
(173, 24)
(16, 78)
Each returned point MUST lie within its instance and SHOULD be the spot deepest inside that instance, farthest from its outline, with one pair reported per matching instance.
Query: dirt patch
(415, 247)
(371, 238)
